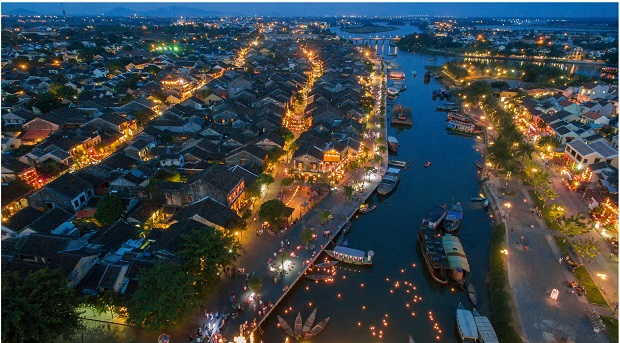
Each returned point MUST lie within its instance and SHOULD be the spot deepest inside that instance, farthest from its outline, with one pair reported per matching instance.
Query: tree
(38, 308)
(287, 181)
(378, 159)
(100, 334)
(524, 151)
(370, 171)
(142, 116)
(307, 235)
(548, 142)
(109, 209)
(206, 252)
(556, 211)
(348, 191)
(45, 102)
(325, 215)
(163, 299)
(575, 225)
(255, 284)
(265, 179)
(586, 247)
(108, 301)
(285, 133)
(62, 91)
(273, 211)
(273, 156)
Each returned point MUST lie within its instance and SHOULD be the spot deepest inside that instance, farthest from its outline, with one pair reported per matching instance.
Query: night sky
(489, 9)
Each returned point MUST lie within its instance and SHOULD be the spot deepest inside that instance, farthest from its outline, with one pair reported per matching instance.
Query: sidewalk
(534, 271)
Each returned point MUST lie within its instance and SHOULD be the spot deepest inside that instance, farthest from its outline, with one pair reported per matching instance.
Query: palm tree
(325, 216)
(525, 150)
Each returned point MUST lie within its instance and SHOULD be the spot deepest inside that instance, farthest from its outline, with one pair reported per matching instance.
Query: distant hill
(120, 12)
(21, 11)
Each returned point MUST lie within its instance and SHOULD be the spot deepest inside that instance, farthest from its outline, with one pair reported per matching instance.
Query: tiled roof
(69, 185)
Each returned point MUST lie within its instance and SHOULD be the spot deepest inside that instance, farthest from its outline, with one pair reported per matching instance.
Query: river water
(397, 295)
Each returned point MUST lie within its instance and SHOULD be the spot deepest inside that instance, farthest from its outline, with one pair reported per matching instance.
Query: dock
(402, 116)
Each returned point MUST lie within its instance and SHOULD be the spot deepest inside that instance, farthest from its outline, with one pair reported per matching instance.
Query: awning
(456, 255)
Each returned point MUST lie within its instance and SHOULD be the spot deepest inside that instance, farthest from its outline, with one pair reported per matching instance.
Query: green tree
(575, 225)
(107, 301)
(325, 214)
(142, 116)
(109, 209)
(548, 143)
(556, 211)
(307, 235)
(285, 133)
(348, 191)
(164, 298)
(255, 284)
(45, 102)
(38, 308)
(524, 151)
(62, 91)
(100, 334)
(287, 181)
(265, 179)
(206, 252)
(273, 211)
(273, 156)
(586, 247)
(378, 159)
(370, 171)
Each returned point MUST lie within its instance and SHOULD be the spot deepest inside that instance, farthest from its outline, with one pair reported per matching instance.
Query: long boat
(393, 143)
(479, 198)
(398, 164)
(471, 292)
(479, 164)
(346, 227)
(306, 330)
(327, 264)
(485, 329)
(352, 256)
(459, 126)
(396, 75)
(453, 218)
(389, 181)
(444, 256)
(319, 277)
(466, 325)
(434, 218)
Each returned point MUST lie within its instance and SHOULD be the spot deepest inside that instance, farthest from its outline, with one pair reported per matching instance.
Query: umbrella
(163, 338)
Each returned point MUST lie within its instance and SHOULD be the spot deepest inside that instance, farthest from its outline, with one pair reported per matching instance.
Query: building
(583, 154)
(68, 192)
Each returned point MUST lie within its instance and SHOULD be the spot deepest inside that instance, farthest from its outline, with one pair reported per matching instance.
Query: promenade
(534, 268)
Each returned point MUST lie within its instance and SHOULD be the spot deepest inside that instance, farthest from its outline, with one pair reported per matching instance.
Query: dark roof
(221, 178)
(51, 220)
(211, 210)
(115, 235)
(42, 245)
(143, 212)
(23, 218)
(12, 192)
(119, 161)
(248, 176)
(69, 185)
(136, 267)
(110, 276)
(170, 238)
(66, 262)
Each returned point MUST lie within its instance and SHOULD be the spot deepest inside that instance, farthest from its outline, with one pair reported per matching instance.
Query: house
(75, 265)
(18, 117)
(210, 212)
(217, 182)
(13, 168)
(269, 141)
(43, 248)
(9, 143)
(308, 158)
(138, 149)
(68, 192)
(237, 86)
(103, 277)
(583, 154)
(594, 118)
(593, 91)
(100, 72)
(246, 155)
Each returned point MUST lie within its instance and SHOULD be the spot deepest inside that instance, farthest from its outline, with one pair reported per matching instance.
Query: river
(362, 298)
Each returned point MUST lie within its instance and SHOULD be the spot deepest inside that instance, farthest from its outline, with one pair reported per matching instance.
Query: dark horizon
(546, 10)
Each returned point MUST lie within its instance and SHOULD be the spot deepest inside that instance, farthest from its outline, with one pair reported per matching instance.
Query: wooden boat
(479, 164)
(305, 331)
(480, 198)
(485, 329)
(318, 328)
(471, 292)
(453, 218)
(414, 74)
(365, 208)
(427, 164)
(393, 143)
(411, 339)
(396, 75)
(466, 325)
(393, 91)
(444, 256)
(298, 326)
(485, 203)
(346, 227)
(319, 277)
(327, 264)
(352, 256)
(286, 327)
(459, 126)
(398, 164)
(434, 218)
(389, 181)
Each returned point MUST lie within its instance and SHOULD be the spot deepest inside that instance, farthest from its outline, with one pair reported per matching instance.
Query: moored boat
(427, 164)
(352, 256)
(389, 181)
(399, 164)
(444, 256)
(471, 292)
(459, 126)
(453, 218)
(393, 143)
(396, 75)
(346, 227)
(306, 330)
(434, 218)
(320, 277)
(414, 74)
(479, 198)
(393, 91)
(327, 264)
(485, 329)
(479, 164)
(365, 208)
(402, 116)
(466, 325)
